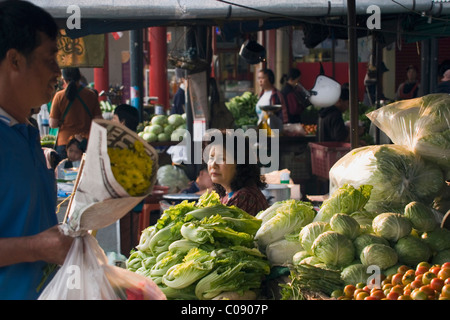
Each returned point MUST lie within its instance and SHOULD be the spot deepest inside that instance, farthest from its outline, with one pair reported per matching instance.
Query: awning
(104, 16)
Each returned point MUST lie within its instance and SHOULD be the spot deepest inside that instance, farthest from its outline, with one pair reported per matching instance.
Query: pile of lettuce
(243, 109)
(201, 250)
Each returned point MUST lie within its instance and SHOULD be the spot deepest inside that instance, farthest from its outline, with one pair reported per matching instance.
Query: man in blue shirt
(29, 235)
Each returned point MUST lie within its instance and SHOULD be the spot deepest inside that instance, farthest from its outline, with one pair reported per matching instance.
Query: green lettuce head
(334, 249)
(391, 226)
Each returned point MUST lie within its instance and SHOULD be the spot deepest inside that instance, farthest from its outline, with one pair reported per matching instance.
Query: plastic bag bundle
(421, 124)
(398, 176)
(86, 275)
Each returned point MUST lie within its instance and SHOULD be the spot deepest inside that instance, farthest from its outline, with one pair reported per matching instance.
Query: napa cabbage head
(347, 199)
(196, 264)
(292, 216)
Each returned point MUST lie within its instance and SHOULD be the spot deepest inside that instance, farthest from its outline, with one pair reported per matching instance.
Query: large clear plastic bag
(86, 275)
(173, 177)
(398, 176)
(421, 124)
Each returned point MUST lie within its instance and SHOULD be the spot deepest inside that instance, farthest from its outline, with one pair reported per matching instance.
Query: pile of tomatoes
(426, 282)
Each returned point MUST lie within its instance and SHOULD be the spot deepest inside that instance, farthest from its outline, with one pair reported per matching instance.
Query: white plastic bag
(86, 275)
(398, 176)
(421, 124)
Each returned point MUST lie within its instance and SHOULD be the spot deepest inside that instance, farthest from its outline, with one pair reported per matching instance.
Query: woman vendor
(237, 183)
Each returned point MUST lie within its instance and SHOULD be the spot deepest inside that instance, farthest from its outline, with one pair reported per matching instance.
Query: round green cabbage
(363, 217)
(334, 249)
(391, 226)
(421, 216)
(441, 257)
(412, 250)
(438, 239)
(346, 225)
(354, 274)
(310, 232)
(365, 239)
(379, 254)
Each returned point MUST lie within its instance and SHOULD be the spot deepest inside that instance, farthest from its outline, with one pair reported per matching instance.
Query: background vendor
(237, 184)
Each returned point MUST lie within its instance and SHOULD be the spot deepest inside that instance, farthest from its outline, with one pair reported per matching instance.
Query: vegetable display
(200, 250)
(163, 128)
(243, 109)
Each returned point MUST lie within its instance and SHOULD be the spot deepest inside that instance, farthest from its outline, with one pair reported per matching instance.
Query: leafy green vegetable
(334, 249)
(299, 256)
(379, 254)
(281, 252)
(243, 109)
(346, 225)
(354, 274)
(441, 257)
(310, 232)
(293, 215)
(412, 250)
(365, 239)
(438, 239)
(347, 199)
(196, 264)
(421, 216)
(391, 226)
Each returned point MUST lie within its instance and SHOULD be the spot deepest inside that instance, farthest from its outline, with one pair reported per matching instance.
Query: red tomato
(349, 290)
(427, 289)
(419, 277)
(447, 281)
(362, 295)
(421, 270)
(408, 277)
(419, 295)
(446, 265)
(435, 270)
(445, 292)
(378, 294)
(397, 279)
(427, 277)
(370, 298)
(444, 273)
(398, 288)
(424, 264)
(437, 284)
(416, 284)
(367, 289)
(402, 269)
(405, 297)
(393, 296)
(358, 291)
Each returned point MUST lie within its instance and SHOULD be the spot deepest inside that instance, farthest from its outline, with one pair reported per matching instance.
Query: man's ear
(14, 58)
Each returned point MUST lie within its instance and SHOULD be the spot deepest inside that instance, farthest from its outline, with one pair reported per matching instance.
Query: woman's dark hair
(248, 173)
(128, 113)
(20, 22)
(291, 75)
(270, 75)
(72, 76)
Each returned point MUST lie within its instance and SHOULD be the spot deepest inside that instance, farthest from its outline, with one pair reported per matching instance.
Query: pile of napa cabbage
(201, 250)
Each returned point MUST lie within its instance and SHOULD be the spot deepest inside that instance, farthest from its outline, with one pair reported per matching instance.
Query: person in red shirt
(237, 182)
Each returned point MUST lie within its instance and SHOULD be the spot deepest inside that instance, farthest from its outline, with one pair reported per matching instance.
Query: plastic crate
(325, 154)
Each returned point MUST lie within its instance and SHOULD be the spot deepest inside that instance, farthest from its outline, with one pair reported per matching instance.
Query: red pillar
(158, 84)
(101, 75)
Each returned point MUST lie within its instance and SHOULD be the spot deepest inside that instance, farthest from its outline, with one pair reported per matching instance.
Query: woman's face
(263, 81)
(74, 153)
(219, 170)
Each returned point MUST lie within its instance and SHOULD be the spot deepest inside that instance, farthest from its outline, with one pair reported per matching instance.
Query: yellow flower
(132, 168)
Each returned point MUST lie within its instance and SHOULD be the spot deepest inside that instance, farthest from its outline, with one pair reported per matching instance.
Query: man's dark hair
(128, 113)
(20, 22)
